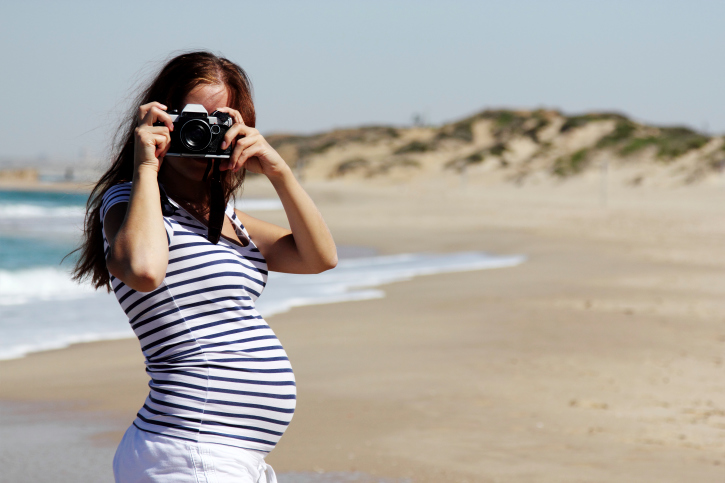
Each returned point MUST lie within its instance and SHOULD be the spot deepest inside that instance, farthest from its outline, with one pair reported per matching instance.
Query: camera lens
(195, 135)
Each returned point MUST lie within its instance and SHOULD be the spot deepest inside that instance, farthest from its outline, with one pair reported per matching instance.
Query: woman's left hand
(251, 150)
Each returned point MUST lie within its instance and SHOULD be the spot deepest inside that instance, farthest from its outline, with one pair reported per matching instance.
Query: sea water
(41, 308)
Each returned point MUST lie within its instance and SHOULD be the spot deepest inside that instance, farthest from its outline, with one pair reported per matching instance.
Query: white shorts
(151, 458)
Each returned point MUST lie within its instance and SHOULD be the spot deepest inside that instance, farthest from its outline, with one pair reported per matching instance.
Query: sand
(599, 359)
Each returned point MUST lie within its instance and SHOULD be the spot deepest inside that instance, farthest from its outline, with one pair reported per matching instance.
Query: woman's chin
(189, 168)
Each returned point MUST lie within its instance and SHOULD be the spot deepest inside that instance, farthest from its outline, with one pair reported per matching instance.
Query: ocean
(41, 308)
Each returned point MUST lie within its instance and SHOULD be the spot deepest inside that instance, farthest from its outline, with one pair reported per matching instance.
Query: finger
(242, 144)
(250, 144)
(142, 110)
(247, 141)
(165, 146)
(234, 132)
(161, 155)
(147, 134)
(154, 129)
(236, 115)
(250, 153)
(162, 143)
(155, 114)
(233, 160)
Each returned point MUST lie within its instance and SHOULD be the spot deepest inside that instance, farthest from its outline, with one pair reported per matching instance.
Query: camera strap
(167, 207)
(208, 168)
(216, 202)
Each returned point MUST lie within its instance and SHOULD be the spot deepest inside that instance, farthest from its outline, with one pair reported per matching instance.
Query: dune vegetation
(513, 145)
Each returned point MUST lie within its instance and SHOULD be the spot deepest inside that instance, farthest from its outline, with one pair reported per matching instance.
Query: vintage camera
(196, 134)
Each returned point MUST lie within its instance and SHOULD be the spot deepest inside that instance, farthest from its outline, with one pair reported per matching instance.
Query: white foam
(36, 284)
(354, 279)
(42, 309)
(44, 325)
(21, 350)
(258, 204)
(36, 211)
(26, 210)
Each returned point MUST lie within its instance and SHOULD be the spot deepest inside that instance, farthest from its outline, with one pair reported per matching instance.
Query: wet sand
(599, 359)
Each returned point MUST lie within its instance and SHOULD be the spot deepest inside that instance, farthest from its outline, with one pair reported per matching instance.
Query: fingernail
(224, 145)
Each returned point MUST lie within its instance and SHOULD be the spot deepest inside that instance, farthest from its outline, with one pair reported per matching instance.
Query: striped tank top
(218, 372)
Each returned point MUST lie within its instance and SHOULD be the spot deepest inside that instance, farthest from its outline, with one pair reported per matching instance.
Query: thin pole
(604, 170)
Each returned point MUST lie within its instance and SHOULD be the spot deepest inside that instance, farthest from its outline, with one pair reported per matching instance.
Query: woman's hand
(307, 247)
(152, 142)
(139, 250)
(251, 151)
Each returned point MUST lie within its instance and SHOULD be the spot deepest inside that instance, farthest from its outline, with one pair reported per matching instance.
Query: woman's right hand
(152, 142)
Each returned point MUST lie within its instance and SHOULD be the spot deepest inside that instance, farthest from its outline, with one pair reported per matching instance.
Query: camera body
(196, 134)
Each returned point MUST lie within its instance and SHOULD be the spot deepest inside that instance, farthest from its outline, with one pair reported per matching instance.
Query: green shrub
(351, 165)
(498, 149)
(474, 158)
(622, 131)
(671, 142)
(414, 147)
(637, 144)
(505, 118)
(478, 157)
(676, 141)
(574, 122)
(462, 131)
(322, 147)
(510, 123)
(570, 165)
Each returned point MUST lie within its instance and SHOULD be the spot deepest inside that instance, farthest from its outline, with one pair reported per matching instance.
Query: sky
(70, 69)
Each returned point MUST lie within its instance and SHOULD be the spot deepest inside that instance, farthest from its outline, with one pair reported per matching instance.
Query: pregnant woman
(186, 267)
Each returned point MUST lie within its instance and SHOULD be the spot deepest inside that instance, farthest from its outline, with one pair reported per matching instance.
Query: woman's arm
(308, 246)
(139, 250)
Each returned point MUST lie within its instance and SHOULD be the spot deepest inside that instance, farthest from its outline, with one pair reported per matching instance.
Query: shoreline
(57, 187)
(598, 359)
(360, 275)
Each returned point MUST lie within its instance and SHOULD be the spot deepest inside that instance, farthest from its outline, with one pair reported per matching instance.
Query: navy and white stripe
(218, 372)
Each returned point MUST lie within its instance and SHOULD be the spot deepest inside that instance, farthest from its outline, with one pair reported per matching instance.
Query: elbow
(145, 281)
(328, 262)
(140, 277)
(332, 262)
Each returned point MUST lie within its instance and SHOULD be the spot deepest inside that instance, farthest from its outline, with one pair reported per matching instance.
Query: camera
(196, 134)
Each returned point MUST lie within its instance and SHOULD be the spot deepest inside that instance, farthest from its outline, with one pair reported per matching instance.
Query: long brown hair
(176, 79)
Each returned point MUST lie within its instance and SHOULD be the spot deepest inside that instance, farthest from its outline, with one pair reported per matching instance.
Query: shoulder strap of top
(168, 206)
(237, 223)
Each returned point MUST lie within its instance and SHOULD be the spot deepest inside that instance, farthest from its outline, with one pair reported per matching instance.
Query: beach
(600, 358)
